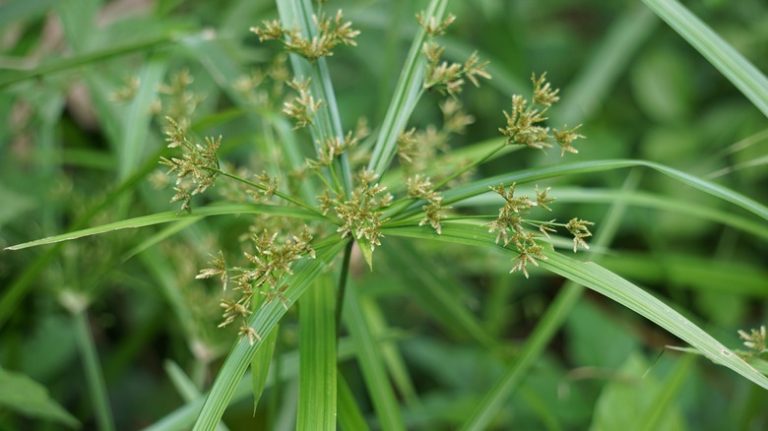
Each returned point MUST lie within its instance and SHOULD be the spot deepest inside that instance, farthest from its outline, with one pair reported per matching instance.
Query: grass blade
(94, 376)
(434, 292)
(371, 362)
(613, 54)
(666, 395)
(260, 366)
(263, 321)
(608, 284)
(86, 59)
(746, 77)
(317, 344)
(25, 396)
(183, 418)
(350, 417)
(638, 199)
(185, 386)
(137, 120)
(407, 93)
(530, 175)
(170, 216)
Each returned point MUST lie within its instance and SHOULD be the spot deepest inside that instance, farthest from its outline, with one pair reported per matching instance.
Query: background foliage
(446, 320)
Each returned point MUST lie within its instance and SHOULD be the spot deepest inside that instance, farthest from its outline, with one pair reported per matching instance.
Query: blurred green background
(72, 156)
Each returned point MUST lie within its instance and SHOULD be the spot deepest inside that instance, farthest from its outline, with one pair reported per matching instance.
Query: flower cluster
(421, 187)
(331, 148)
(755, 340)
(197, 167)
(510, 226)
(303, 107)
(526, 122)
(331, 32)
(269, 261)
(361, 214)
(448, 77)
(580, 230)
(441, 75)
(432, 26)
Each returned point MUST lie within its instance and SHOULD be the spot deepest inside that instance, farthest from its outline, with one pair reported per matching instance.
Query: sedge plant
(359, 189)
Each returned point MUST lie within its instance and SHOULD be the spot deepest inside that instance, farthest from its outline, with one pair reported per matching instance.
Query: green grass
(325, 328)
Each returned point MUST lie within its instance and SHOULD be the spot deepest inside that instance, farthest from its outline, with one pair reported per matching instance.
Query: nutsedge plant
(314, 189)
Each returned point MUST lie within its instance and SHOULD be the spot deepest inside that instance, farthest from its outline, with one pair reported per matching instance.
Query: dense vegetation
(283, 216)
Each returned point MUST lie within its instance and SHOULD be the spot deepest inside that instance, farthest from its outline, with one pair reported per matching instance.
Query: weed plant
(290, 242)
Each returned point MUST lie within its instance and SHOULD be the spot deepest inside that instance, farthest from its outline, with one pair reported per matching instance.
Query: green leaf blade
(745, 76)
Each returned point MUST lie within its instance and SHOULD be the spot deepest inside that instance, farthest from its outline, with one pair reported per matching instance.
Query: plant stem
(405, 203)
(471, 166)
(343, 276)
(281, 195)
(93, 373)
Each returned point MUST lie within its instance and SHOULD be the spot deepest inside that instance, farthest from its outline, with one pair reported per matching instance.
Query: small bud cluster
(361, 215)
(755, 340)
(421, 187)
(449, 78)
(580, 230)
(525, 124)
(432, 26)
(510, 226)
(331, 148)
(441, 75)
(269, 262)
(196, 169)
(302, 108)
(331, 32)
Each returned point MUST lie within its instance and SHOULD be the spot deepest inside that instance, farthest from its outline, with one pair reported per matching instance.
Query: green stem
(93, 373)
(402, 205)
(281, 195)
(343, 277)
(471, 166)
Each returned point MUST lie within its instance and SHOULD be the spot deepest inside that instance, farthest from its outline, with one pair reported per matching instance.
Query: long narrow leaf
(639, 199)
(610, 285)
(317, 344)
(350, 417)
(169, 216)
(746, 77)
(530, 175)
(409, 87)
(371, 362)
